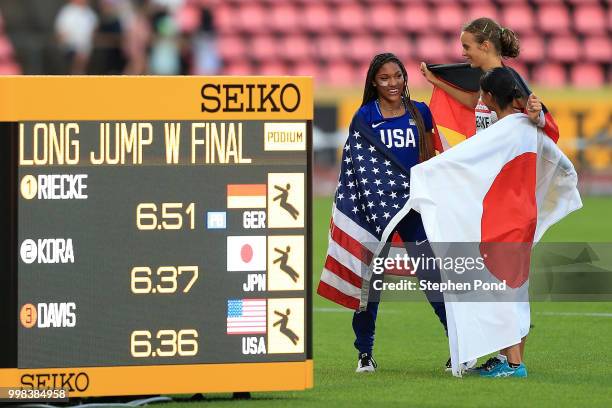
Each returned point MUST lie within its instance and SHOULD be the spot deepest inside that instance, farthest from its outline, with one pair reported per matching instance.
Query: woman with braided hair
(405, 128)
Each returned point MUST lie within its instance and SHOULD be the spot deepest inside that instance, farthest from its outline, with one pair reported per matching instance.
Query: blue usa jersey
(400, 134)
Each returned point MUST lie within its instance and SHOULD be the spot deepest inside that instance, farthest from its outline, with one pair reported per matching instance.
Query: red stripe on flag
(550, 127)
(451, 114)
(437, 142)
(333, 294)
(344, 273)
(351, 245)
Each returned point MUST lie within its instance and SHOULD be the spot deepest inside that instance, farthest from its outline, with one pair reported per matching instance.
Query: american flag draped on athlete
(370, 200)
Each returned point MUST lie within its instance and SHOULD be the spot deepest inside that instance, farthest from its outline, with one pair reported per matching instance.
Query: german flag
(455, 121)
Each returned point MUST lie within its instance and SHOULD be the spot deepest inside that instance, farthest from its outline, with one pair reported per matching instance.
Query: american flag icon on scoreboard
(246, 316)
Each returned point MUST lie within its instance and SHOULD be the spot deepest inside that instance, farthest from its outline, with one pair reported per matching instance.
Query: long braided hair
(426, 150)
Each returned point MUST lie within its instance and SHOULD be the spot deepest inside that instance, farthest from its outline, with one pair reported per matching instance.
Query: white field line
(586, 314)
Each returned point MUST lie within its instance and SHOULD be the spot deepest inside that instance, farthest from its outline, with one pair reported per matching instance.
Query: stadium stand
(560, 40)
(334, 39)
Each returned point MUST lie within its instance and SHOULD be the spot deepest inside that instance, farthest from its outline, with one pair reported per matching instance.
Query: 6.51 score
(165, 216)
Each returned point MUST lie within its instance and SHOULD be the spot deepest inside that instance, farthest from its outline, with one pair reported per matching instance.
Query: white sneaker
(366, 363)
(464, 366)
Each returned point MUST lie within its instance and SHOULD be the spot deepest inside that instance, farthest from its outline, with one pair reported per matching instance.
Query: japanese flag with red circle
(246, 253)
(507, 184)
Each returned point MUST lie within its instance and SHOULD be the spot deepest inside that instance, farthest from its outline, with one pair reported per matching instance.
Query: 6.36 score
(166, 216)
(164, 343)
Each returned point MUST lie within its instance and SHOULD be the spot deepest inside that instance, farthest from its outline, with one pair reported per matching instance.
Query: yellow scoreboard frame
(46, 98)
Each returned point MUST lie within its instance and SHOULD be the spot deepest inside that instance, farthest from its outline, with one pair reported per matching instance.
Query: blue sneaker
(504, 370)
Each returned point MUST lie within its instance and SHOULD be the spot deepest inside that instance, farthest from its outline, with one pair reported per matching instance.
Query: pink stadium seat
(226, 18)
(350, 18)
(514, 2)
(415, 18)
(238, 68)
(449, 17)
(361, 48)
(379, 2)
(232, 47)
(415, 78)
(518, 67)
(188, 18)
(479, 9)
(297, 47)
(518, 17)
(317, 18)
(6, 48)
(383, 18)
(454, 49)
(273, 68)
(532, 48)
(341, 73)
(589, 19)
(284, 18)
(330, 47)
(582, 2)
(360, 73)
(10, 68)
(553, 18)
(564, 49)
(253, 18)
(598, 48)
(541, 3)
(587, 75)
(551, 75)
(399, 45)
(431, 48)
(306, 68)
(263, 47)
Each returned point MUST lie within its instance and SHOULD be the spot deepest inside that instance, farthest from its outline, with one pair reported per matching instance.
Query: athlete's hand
(533, 108)
(427, 73)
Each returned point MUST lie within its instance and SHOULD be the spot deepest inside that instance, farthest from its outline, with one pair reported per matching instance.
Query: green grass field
(568, 356)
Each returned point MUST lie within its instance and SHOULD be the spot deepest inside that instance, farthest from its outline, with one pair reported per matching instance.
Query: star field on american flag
(372, 188)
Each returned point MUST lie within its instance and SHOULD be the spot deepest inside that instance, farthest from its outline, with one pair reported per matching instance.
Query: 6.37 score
(164, 280)
(167, 216)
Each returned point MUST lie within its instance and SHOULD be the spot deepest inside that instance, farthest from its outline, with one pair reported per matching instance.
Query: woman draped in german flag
(458, 107)
(485, 44)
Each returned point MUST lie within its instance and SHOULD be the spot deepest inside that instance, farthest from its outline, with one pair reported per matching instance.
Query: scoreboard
(157, 234)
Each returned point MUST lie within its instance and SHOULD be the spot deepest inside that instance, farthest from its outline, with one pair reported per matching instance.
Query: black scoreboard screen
(157, 234)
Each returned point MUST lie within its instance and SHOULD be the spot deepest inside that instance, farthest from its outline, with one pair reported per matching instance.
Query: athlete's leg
(411, 229)
(364, 324)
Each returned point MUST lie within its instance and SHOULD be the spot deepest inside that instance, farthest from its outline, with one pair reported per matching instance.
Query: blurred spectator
(206, 59)
(74, 27)
(165, 53)
(108, 55)
(137, 37)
